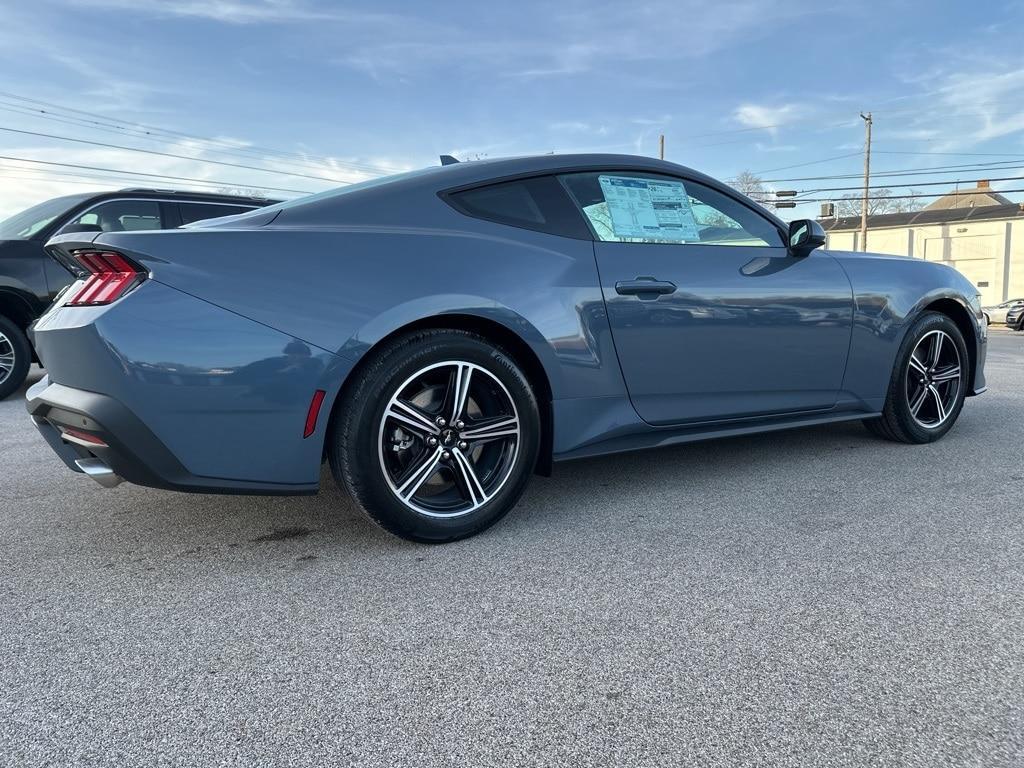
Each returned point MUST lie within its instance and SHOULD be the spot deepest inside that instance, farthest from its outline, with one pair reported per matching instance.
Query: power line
(121, 125)
(46, 175)
(153, 175)
(239, 151)
(813, 162)
(52, 180)
(234, 150)
(955, 154)
(911, 184)
(87, 181)
(176, 156)
(895, 197)
(924, 171)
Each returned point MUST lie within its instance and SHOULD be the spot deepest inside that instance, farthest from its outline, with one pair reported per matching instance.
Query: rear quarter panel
(227, 396)
(344, 288)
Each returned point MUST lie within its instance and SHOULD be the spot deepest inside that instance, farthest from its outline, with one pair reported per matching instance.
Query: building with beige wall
(979, 232)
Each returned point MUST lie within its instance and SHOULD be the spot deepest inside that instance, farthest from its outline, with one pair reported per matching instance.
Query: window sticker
(650, 209)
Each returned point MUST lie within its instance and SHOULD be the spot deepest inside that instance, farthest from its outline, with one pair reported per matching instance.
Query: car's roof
(482, 170)
(443, 178)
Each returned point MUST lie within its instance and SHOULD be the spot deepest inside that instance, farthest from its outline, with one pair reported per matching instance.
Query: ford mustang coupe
(440, 335)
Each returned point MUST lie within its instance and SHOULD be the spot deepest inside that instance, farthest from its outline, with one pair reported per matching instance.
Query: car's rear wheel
(15, 357)
(928, 384)
(438, 436)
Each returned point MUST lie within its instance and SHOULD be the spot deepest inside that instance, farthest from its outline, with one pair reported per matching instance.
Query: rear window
(191, 212)
(119, 216)
(539, 203)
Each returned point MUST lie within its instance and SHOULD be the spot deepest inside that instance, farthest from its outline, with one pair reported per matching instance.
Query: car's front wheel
(438, 436)
(15, 357)
(928, 383)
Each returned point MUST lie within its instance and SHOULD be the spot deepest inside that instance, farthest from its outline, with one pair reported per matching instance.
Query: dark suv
(30, 280)
(1015, 318)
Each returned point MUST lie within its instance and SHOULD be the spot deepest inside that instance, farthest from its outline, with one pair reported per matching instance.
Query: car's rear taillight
(111, 275)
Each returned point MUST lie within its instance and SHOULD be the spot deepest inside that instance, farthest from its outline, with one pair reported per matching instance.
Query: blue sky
(360, 88)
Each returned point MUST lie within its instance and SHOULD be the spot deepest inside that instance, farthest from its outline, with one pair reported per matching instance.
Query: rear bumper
(130, 449)
(185, 395)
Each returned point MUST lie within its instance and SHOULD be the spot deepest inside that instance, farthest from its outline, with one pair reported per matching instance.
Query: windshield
(21, 226)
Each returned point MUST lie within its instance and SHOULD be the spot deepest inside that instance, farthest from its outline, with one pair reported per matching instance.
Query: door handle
(645, 288)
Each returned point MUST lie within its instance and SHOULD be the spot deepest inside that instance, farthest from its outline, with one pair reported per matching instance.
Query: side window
(198, 211)
(625, 207)
(122, 216)
(539, 203)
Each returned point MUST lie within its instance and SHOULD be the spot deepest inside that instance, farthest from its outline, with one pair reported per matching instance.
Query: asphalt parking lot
(814, 597)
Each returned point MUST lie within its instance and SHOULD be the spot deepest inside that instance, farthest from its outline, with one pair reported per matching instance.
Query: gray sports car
(438, 336)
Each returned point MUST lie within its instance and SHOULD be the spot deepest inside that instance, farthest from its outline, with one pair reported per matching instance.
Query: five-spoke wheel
(448, 438)
(928, 382)
(934, 373)
(438, 435)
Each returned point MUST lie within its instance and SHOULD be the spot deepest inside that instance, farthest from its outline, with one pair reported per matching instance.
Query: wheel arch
(20, 311)
(16, 308)
(502, 336)
(961, 317)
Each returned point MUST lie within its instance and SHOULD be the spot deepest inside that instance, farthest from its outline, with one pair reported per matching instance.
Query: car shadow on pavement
(622, 496)
(687, 487)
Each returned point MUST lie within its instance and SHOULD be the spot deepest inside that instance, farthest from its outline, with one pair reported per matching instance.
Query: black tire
(897, 421)
(358, 431)
(13, 342)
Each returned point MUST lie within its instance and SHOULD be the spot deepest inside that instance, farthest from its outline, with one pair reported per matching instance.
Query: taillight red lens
(110, 277)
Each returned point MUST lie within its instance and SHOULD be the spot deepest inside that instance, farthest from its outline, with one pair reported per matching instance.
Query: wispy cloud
(762, 147)
(237, 11)
(962, 107)
(767, 117)
(963, 94)
(993, 100)
(577, 38)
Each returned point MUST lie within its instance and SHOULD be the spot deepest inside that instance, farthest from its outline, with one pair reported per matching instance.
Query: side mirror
(804, 236)
(72, 228)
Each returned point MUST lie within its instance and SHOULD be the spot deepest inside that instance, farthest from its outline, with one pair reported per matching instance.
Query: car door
(711, 316)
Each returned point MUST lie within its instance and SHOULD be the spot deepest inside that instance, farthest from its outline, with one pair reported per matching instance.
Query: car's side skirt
(658, 438)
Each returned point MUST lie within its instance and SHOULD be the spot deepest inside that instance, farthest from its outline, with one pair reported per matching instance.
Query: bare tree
(750, 185)
(880, 202)
(243, 191)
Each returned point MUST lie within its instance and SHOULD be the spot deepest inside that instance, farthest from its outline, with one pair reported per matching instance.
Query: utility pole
(661, 147)
(867, 182)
